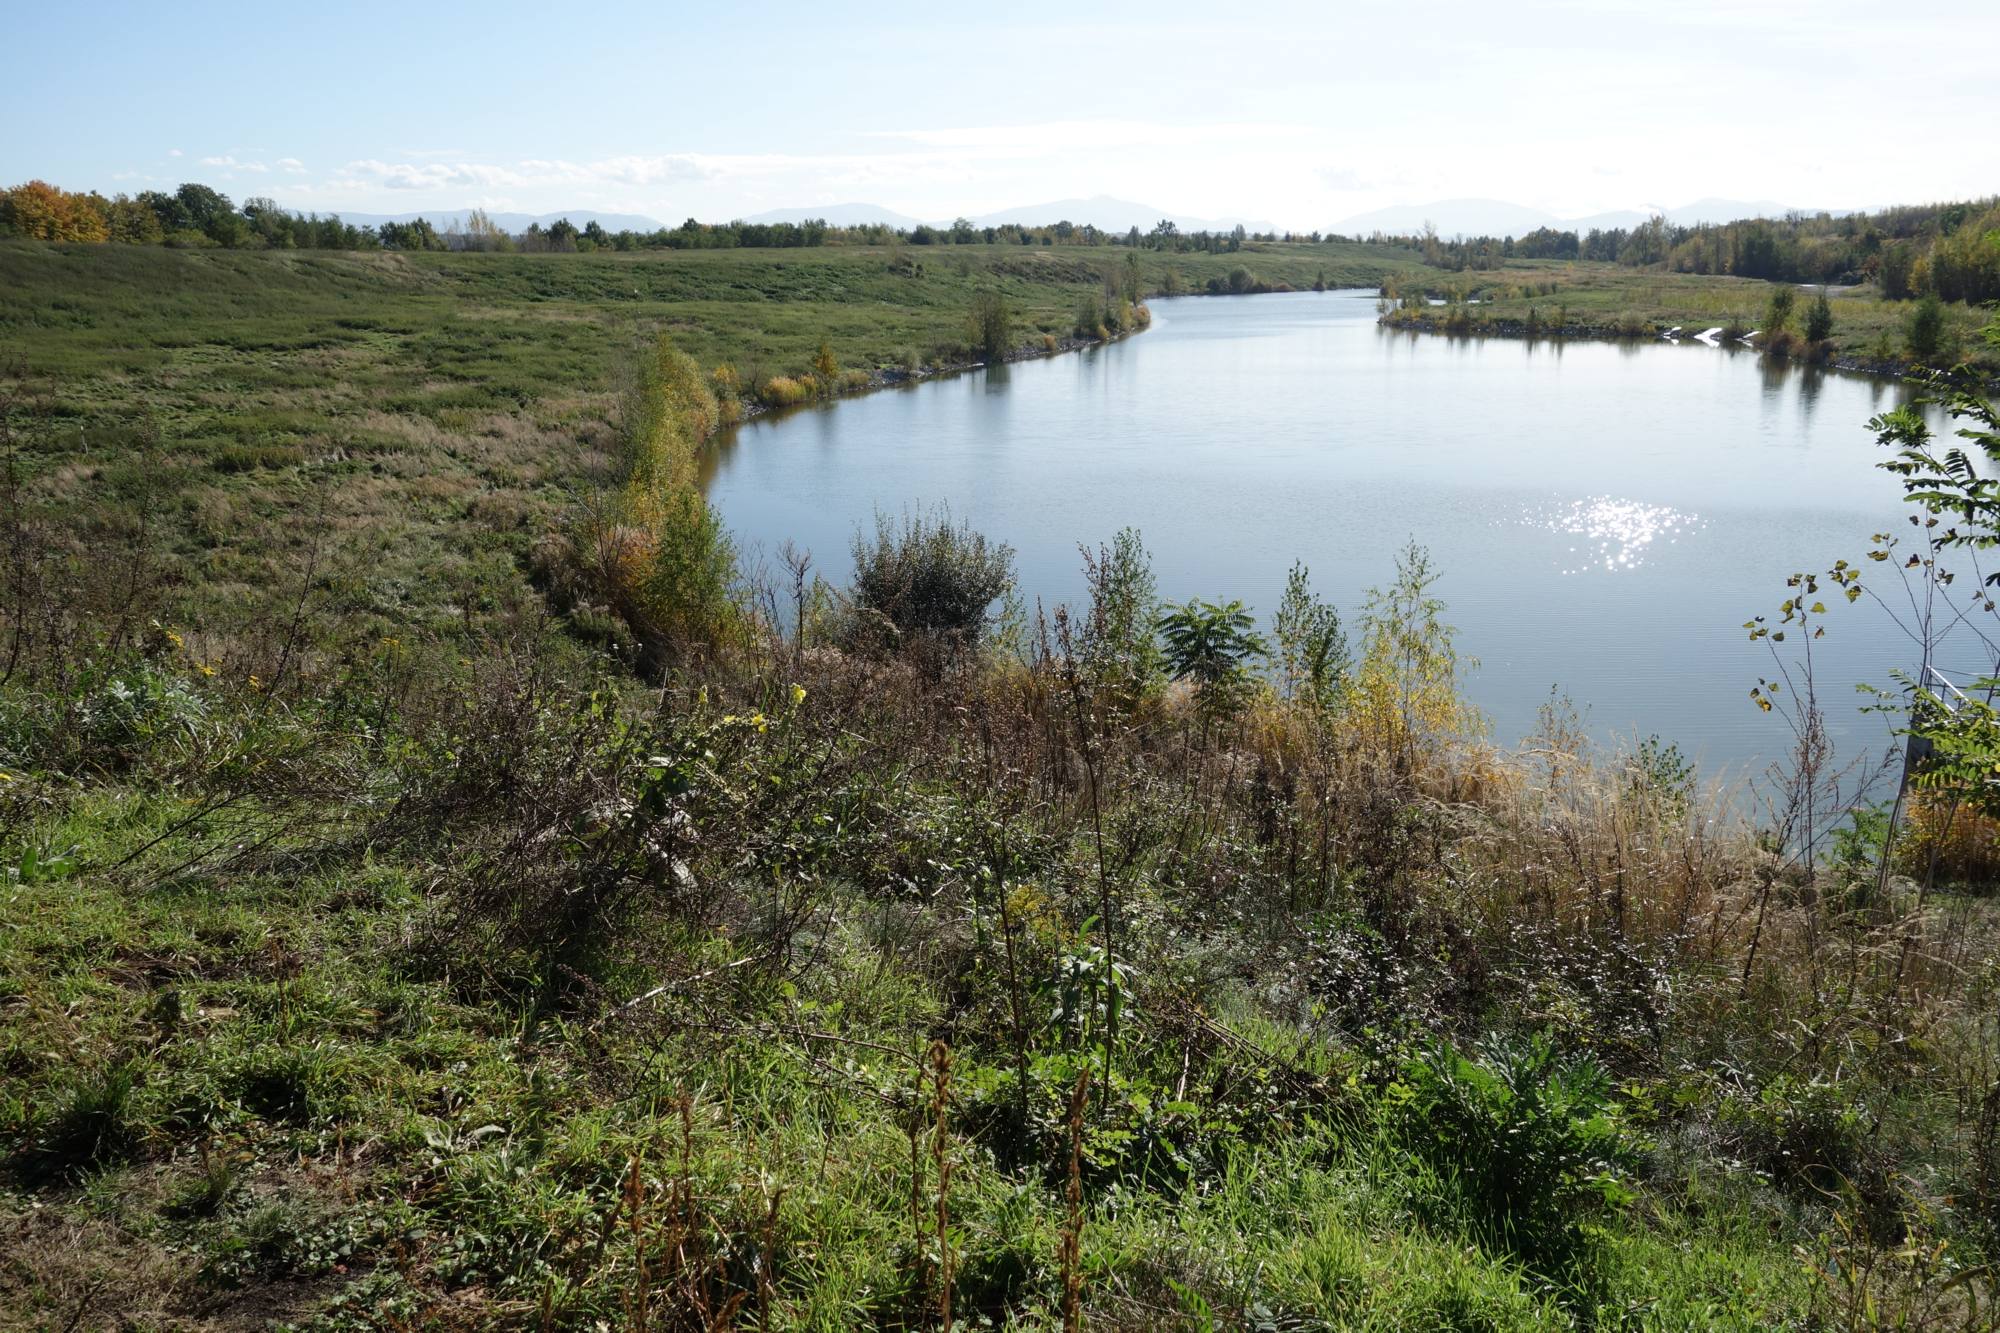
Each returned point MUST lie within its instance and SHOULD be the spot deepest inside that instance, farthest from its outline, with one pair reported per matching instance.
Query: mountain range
(1451, 217)
(1101, 211)
(513, 222)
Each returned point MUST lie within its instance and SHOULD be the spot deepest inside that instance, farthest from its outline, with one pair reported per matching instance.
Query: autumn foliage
(42, 212)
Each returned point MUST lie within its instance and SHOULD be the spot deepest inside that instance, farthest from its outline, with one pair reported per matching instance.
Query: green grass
(307, 1131)
(436, 411)
(1612, 300)
(377, 951)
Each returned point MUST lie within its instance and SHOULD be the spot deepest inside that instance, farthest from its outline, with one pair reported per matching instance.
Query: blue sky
(1299, 114)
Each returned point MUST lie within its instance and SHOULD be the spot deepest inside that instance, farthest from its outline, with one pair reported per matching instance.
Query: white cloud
(624, 172)
(229, 163)
(1087, 135)
(175, 152)
(292, 165)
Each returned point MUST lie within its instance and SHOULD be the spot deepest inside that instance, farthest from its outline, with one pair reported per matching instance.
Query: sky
(1299, 115)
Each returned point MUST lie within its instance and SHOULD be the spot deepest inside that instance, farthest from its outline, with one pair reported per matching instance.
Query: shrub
(1923, 332)
(660, 557)
(930, 577)
(675, 568)
(1819, 319)
(122, 720)
(1310, 658)
(784, 391)
(1405, 698)
(1800, 1132)
(1210, 644)
(1528, 1143)
(992, 325)
(1118, 649)
(1778, 311)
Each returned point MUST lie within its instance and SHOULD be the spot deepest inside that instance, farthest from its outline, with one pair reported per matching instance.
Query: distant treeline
(1952, 250)
(198, 215)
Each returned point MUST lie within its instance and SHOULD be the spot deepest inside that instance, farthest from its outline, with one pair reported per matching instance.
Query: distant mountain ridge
(1103, 212)
(513, 222)
(840, 215)
(1110, 214)
(1451, 217)
(1498, 217)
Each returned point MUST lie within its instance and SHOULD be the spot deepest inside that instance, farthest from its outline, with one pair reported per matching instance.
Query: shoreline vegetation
(1904, 291)
(441, 888)
(1875, 340)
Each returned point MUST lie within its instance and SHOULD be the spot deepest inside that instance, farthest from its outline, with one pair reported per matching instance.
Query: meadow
(437, 895)
(444, 405)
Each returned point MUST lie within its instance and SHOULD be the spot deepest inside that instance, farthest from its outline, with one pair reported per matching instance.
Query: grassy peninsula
(439, 893)
(1550, 299)
(1898, 291)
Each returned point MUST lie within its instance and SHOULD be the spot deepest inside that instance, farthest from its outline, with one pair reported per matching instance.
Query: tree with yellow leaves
(44, 213)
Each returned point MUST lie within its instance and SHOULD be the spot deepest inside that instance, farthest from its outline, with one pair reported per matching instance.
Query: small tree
(991, 325)
(1310, 658)
(1819, 319)
(1118, 649)
(1778, 314)
(1210, 644)
(826, 368)
(1962, 500)
(1923, 335)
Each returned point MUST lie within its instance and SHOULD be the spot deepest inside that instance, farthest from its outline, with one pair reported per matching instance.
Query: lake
(1605, 516)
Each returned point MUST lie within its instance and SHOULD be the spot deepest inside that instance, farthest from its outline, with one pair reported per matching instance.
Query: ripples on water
(1604, 516)
(1618, 532)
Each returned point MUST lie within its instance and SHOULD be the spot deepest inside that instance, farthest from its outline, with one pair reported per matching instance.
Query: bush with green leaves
(1528, 1143)
(992, 326)
(1923, 332)
(1310, 657)
(1117, 648)
(1808, 1133)
(931, 579)
(1210, 644)
(1778, 311)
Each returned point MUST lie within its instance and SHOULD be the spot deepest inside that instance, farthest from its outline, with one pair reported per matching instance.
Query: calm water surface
(1605, 517)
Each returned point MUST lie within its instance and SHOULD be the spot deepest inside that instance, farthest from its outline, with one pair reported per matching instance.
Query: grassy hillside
(378, 951)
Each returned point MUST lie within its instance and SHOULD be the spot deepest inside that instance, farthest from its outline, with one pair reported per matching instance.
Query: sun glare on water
(1613, 534)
